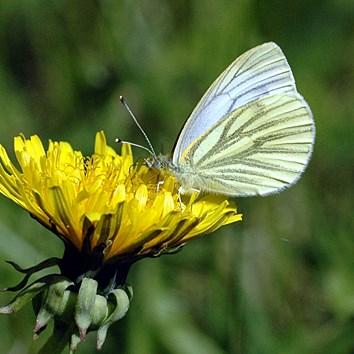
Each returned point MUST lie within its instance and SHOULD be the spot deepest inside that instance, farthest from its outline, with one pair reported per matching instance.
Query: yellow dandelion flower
(108, 210)
(133, 210)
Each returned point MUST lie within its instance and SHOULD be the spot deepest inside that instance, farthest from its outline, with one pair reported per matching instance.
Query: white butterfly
(251, 133)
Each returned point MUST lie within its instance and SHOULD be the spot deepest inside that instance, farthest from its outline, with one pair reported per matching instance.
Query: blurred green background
(279, 282)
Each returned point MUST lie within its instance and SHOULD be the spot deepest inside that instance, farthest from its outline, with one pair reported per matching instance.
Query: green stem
(59, 339)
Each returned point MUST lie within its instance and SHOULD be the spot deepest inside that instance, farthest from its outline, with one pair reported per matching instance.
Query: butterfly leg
(148, 163)
(159, 183)
(180, 191)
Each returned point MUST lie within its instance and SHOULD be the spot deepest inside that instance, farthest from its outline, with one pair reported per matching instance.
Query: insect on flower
(251, 134)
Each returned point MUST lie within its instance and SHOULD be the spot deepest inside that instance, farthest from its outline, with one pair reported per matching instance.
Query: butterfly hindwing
(258, 149)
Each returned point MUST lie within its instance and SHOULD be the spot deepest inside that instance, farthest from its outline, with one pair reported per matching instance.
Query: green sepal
(74, 342)
(84, 310)
(119, 301)
(24, 297)
(50, 262)
(54, 303)
(100, 312)
(102, 335)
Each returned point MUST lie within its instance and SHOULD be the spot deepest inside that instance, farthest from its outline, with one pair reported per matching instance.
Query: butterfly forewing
(258, 149)
(261, 71)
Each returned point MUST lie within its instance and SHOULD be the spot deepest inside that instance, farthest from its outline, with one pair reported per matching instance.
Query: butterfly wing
(260, 71)
(258, 149)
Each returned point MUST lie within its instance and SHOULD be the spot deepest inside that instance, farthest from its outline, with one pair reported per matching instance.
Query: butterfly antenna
(151, 152)
(151, 149)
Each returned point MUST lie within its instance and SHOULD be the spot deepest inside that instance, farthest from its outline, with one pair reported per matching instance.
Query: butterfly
(252, 133)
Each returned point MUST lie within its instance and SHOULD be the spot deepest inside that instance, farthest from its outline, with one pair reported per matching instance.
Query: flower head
(108, 210)
(131, 210)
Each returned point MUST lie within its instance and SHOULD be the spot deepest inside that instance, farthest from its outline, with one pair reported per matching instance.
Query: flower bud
(74, 342)
(53, 304)
(100, 312)
(23, 297)
(119, 301)
(84, 311)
